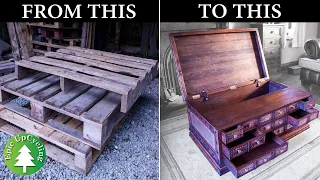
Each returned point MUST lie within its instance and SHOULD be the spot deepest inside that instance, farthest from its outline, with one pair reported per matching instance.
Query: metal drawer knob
(281, 150)
(258, 142)
(246, 170)
(265, 160)
(239, 150)
(235, 136)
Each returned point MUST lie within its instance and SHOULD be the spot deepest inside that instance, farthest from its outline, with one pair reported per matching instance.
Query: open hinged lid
(217, 60)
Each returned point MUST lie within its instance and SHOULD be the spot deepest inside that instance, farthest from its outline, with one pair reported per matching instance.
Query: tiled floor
(178, 107)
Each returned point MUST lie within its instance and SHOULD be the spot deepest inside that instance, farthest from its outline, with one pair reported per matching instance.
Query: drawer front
(228, 137)
(271, 42)
(265, 159)
(298, 122)
(293, 107)
(280, 150)
(246, 169)
(250, 125)
(269, 32)
(309, 104)
(235, 152)
(279, 131)
(288, 127)
(280, 113)
(265, 118)
(314, 114)
(257, 142)
(266, 128)
(279, 122)
(273, 52)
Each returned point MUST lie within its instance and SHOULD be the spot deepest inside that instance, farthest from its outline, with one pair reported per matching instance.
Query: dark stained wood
(215, 60)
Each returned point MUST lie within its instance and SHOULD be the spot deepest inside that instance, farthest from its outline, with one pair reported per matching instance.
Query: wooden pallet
(91, 108)
(6, 67)
(45, 32)
(60, 147)
(52, 44)
(57, 25)
(121, 74)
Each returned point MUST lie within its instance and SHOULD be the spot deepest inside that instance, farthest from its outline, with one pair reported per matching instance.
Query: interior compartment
(246, 137)
(232, 128)
(299, 114)
(272, 142)
(241, 94)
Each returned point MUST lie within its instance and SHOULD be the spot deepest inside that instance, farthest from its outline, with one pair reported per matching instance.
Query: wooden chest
(237, 115)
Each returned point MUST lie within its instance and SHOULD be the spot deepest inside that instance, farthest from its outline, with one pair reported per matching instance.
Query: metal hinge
(233, 87)
(202, 94)
(259, 81)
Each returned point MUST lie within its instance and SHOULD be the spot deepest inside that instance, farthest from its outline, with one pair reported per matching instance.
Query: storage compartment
(293, 107)
(247, 126)
(245, 163)
(279, 122)
(307, 103)
(265, 118)
(232, 134)
(250, 140)
(266, 128)
(314, 114)
(298, 118)
(280, 112)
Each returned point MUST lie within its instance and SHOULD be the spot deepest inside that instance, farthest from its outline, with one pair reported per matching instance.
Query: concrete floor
(178, 107)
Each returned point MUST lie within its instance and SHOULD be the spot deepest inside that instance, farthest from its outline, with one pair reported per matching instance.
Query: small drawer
(288, 127)
(232, 134)
(314, 114)
(298, 118)
(306, 104)
(280, 113)
(265, 118)
(280, 150)
(269, 32)
(249, 141)
(247, 126)
(293, 107)
(244, 170)
(279, 131)
(270, 42)
(265, 159)
(279, 122)
(266, 128)
(273, 52)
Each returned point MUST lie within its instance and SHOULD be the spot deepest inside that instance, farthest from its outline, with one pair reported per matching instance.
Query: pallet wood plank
(10, 129)
(88, 70)
(61, 118)
(43, 95)
(67, 84)
(14, 40)
(39, 112)
(85, 101)
(113, 55)
(14, 107)
(17, 84)
(64, 98)
(108, 59)
(103, 109)
(46, 131)
(73, 123)
(91, 80)
(47, 44)
(7, 78)
(38, 86)
(95, 63)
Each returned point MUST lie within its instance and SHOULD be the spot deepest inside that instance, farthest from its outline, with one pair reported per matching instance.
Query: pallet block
(124, 75)
(70, 152)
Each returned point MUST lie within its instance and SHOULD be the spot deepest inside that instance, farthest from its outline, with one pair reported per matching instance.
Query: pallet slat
(17, 84)
(85, 101)
(91, 80)
(34, 88)
(46, 94)
(7, 78)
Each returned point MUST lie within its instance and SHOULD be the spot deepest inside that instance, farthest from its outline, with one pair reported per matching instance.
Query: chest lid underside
(217, 60)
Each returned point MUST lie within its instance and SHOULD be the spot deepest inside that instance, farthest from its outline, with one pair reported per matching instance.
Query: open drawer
(249, 141)
(299, 118)
(273, 146)
(307, 103)
(232, 134)
(314, 114)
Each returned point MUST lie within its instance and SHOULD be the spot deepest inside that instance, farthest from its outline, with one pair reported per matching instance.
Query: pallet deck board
(88, 70)
(99, 64)
(38, 86)
(91, 80)
(17, 84)
(47, 93)
(85, 101)
(73, 123)
(7, 78)
(103, 109)
(64, 98)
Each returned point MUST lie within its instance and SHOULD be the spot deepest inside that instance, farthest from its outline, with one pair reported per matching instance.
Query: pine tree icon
(24, 158)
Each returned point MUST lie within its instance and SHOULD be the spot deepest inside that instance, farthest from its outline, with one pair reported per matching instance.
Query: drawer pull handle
(271, 42)
(235, 136)
(239, 150)
(265, 160)
(258, 142)
(246, 170)
(281, 150)
(271, 32)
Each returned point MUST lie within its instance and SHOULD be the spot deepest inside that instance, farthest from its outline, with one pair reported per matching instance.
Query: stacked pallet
(77, 99)
(50, 36)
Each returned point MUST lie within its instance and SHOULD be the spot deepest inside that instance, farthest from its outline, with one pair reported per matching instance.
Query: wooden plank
(85, 101)
(14, 107)
(47, 93)
(10, 129)
(103, 109)
(91, 80)
(61, 118)
(17, 84)
(39, 112)
(38, 86)
(22, 72)
(107, 59)
(113, 55)
(24, 40)
(64, 98)
(46, 131)
(84, 34)
(88, 70)
(47, 44)
(39, 51)
(73, 123)
(7, 78)
(95, 63)
(14, 40)
(67, 84)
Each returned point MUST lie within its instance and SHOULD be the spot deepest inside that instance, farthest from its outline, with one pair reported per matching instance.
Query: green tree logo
(24, 154)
